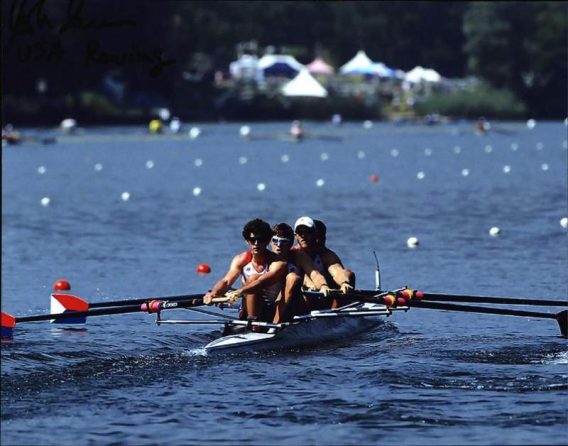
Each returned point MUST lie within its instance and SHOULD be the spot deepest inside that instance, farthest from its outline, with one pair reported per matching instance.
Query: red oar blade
(8, 324)
(66, 303)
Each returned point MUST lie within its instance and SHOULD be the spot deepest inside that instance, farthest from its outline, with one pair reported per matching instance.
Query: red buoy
(374, 178)
(61, 285)
(203, 268)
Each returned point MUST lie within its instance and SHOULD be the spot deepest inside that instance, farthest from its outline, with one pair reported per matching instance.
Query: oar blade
(8, 324)
(67, 303)
(562, 319)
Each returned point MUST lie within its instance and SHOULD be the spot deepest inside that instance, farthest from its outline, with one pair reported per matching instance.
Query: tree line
(163, 48)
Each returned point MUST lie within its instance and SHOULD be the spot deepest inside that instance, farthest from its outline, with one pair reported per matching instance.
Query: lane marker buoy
(412, 242)
(494, 231)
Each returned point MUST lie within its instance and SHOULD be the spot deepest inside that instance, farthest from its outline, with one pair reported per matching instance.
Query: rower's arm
(313, 276)
(223, 285)
(335, 267)
(276, 272)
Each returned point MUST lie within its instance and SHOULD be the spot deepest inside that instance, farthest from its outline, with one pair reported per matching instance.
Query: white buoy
(45, 201)
(320, 182)
(367, 124)
(514, 146)
(465, 172)
(361, 154)
(68, 125)
(242, 160)
(494, 231)
(98, 167)
(260, 187)
(428, 151)
(149, 164)
(41, 170)
(244, 131)
(198, 162)
(125, 196)
(175, 125)
(324, 156)
(196, 191)
(457, 150)
(506, 169)
(531, 124)
(394, 153)
(488, 148)
(285, 158)
(544, 166)
(420, 175)
(412, 242)
(194, 132)
(564, 222)
(164, 114)
(539, 146)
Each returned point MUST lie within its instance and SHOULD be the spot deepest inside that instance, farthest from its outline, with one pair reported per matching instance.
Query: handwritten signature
(26, 18)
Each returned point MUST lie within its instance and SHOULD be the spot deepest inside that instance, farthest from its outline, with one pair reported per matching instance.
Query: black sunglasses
(259, 240)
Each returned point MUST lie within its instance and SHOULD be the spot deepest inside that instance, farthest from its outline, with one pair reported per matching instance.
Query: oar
(477, 299)
(435, 297)
(136, 305)
(561, 317)
(140, 301)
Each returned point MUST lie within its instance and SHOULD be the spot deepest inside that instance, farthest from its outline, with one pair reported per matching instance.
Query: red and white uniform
(270, 293)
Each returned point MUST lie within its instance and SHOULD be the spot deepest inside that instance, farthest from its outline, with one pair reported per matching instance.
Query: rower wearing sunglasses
(291, 301)
(311, 238)
(262, 274)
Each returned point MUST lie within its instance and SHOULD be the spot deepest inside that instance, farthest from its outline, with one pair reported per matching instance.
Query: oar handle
(207, 300)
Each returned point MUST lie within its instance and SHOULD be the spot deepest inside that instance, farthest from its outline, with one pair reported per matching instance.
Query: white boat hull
(321, 328)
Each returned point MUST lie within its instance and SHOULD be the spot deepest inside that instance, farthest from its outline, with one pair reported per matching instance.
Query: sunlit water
(424, 377)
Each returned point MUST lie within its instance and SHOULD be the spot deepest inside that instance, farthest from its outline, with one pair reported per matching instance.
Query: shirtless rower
(262, 274)
(311, 238)
(291, 302)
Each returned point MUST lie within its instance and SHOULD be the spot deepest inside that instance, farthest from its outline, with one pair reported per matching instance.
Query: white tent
(304, 84)
(419, 74)
(360, 64)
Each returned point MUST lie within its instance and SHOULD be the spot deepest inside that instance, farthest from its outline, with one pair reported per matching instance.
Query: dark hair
(321, 229)
(259, 228)
(283, 230)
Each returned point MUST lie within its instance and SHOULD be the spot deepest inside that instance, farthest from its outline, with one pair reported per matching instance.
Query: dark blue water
(425, 377)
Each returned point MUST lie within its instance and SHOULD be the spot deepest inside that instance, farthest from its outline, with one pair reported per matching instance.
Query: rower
(262, 274)
(311, 238)
(297, 130)
(291, 302)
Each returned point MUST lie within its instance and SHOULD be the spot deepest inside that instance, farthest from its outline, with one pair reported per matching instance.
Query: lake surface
(424, 377)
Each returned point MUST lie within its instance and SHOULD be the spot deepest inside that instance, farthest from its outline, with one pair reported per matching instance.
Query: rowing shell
(314, 328)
